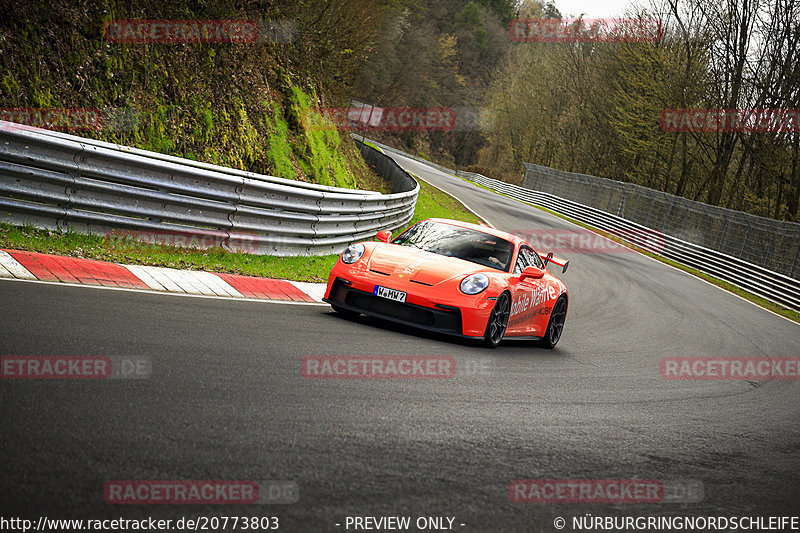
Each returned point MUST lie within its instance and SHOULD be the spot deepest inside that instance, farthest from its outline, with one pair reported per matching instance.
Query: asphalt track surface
(226, 400)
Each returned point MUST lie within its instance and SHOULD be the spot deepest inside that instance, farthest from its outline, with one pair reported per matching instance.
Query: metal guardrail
(54, 180)
(755, 279)
(750, 277)
(772, 244)
(388, 148)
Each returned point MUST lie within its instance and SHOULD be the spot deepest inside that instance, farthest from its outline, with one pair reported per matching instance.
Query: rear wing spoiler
(550, 258)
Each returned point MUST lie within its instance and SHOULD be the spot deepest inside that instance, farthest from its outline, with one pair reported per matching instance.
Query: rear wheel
(556, 324)
(498, 320)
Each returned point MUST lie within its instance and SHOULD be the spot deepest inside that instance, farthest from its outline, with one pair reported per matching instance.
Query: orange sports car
(453, 277)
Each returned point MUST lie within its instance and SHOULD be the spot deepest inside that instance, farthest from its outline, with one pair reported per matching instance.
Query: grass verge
(431, 203)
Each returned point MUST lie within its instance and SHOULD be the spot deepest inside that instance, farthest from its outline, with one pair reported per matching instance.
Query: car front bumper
(423, 309)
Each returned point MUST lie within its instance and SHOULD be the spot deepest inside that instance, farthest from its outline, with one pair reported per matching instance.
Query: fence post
(685, 218)
(666, 218)
(650, 211)
(724, 233)
(746, 236)
(769, 250)
(706, 216)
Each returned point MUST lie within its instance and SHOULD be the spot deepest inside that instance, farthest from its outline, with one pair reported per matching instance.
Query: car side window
(535, 259)
(527, 257)
(522, 261)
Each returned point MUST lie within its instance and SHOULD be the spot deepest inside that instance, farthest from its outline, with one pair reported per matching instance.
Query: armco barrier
(752, 278)
(387, 148)
(772, 244)
(748, 276)
(55, 180)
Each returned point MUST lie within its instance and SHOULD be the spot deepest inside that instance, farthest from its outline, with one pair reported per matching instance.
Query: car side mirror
(384, 236)
(531, 272)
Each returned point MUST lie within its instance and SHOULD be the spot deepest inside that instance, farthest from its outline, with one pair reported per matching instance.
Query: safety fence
(745, 275)
(768, 243)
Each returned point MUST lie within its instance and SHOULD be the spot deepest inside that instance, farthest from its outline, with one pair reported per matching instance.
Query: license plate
(390, 294)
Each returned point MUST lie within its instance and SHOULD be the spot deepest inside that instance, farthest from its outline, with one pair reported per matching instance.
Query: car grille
(444, 318)
(382, 306)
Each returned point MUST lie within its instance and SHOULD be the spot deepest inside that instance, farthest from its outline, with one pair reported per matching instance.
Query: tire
(345, 313)
(498, 321)
(555, 326)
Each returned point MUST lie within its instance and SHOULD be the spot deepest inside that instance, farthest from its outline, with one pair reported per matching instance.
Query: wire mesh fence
(772, 244)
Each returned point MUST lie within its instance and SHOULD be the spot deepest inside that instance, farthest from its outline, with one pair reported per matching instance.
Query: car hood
(413, 264)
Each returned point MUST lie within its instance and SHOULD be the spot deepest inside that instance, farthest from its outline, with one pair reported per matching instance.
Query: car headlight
(353, 253)
(474, 283)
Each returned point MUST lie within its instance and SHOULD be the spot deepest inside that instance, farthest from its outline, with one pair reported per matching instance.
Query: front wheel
(556, 324)
(498, 320)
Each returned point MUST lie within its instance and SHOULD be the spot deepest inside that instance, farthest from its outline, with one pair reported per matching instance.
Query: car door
(527, 297)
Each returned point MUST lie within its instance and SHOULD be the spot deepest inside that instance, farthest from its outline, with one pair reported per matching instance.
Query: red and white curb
(55, 268)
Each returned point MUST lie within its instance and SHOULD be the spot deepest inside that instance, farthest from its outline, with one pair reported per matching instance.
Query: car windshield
(463, 243)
